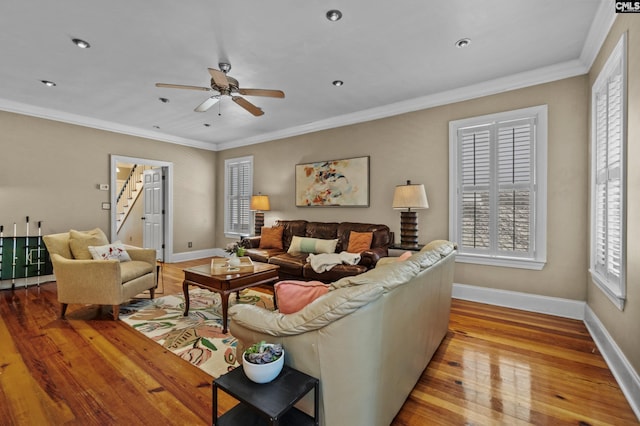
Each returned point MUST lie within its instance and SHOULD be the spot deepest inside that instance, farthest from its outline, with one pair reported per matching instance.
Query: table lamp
(409, 196)
(259, 204)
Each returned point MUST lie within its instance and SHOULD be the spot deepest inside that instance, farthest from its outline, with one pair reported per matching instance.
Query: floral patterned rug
(198, 337)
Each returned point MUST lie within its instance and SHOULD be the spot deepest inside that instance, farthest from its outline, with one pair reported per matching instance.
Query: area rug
(198, 337)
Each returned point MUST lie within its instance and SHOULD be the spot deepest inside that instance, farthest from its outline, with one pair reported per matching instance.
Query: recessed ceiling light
(338, 83)
(48, 83)
(463, 42)
(156, 127)
(334, 15)
(206, 124)
(164, 100)
(81, 43)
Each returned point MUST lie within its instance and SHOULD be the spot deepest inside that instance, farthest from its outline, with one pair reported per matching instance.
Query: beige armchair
(81, 279)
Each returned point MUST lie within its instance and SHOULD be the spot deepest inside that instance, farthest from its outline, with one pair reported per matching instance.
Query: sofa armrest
(251, 242)
(143, 254)
(79, 280)
(370, 257)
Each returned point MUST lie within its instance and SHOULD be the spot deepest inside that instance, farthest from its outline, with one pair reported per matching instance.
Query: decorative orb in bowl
(263, 362)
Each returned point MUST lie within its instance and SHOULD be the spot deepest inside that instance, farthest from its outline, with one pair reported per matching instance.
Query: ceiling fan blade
(208, 103)
(180, 86)
(247, 105)
(262, 92)
(219, 77)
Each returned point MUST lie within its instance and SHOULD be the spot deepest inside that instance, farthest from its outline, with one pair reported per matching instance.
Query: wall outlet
(103, 187)
(189, 244)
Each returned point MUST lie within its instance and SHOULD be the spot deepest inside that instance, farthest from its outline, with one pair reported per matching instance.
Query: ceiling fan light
(334, 15)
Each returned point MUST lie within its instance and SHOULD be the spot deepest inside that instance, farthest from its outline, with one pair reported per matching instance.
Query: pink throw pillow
(292, 295)
(404, 256)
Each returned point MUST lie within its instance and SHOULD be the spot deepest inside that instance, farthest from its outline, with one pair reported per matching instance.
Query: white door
(153, 220)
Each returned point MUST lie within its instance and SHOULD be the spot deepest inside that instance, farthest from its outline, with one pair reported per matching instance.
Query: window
(497, 189)
(608, 141)
(238, 187)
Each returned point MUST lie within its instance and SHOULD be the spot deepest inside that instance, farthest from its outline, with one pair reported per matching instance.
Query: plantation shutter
(496, 192)
(607, 238)
(475, 179)
(238, 189)
(515, 187)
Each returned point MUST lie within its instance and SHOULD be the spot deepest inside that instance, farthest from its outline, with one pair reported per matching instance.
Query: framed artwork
(334, 183)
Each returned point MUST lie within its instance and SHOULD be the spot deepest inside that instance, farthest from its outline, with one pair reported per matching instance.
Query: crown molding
(81, 120)
(499, 85)
(600, 27)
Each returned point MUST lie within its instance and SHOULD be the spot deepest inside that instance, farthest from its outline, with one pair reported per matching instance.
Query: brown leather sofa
(295, 265)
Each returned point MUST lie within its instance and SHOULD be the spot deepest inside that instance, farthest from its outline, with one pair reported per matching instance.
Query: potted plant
(262, 362)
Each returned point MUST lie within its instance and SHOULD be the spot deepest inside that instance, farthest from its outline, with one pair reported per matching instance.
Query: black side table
(268, 403)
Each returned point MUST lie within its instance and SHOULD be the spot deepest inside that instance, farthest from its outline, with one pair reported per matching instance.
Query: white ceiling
(392, 60)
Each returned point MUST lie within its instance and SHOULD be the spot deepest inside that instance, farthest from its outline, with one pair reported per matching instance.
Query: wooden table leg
(185, 290)
(225, 308)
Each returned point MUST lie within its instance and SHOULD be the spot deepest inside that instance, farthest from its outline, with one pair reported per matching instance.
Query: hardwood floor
(496, 366)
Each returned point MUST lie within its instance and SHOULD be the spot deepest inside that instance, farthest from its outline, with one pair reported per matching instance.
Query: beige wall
(50, 171)
(415, 146)
(623, 325)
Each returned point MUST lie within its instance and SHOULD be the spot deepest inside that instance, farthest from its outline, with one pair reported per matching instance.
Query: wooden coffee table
(227, 282)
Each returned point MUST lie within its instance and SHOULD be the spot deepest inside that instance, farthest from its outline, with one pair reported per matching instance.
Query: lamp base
(259, 223)
(409, 229)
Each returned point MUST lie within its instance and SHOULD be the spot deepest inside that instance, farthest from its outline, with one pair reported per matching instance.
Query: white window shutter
(475, 178)
(515, 143)
(607, 177)
(238, 189)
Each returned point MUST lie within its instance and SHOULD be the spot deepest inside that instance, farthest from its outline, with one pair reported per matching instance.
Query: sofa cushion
(317, 314)
(387, 276)
(392, 259)
(426, 258)
(443, 247)
(335, 273)
(271, 237)
(110, 251)
(290, 263)
(58, 244)
(359, 241)
(134, 269)
(79, 242)
(292, 295)
(311, 245)
(291, 228)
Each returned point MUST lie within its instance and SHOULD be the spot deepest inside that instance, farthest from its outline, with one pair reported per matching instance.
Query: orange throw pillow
(359, 241)
(292, 295)
(271, 237)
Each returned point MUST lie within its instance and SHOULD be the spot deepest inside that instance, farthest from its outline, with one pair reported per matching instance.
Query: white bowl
(263, 373)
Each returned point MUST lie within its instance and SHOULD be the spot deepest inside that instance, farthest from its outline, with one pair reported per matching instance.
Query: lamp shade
(410, 196)
(260, 202)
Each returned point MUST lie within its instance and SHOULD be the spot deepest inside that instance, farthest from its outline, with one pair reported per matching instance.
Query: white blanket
(325, 261)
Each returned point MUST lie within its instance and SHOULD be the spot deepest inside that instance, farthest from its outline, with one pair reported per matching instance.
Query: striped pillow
(312, 245)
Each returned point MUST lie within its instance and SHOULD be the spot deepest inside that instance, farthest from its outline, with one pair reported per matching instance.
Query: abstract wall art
(334, 183)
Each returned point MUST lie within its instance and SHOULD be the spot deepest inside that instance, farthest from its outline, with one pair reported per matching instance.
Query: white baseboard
(197, 254)
(565, 308)
(31, 281)
(622, 370)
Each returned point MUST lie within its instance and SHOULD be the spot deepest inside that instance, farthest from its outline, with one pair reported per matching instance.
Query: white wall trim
(625, 375)
(197, 254)
(557, 306)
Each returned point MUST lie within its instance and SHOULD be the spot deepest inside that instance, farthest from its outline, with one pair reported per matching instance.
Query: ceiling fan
(226, 85)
